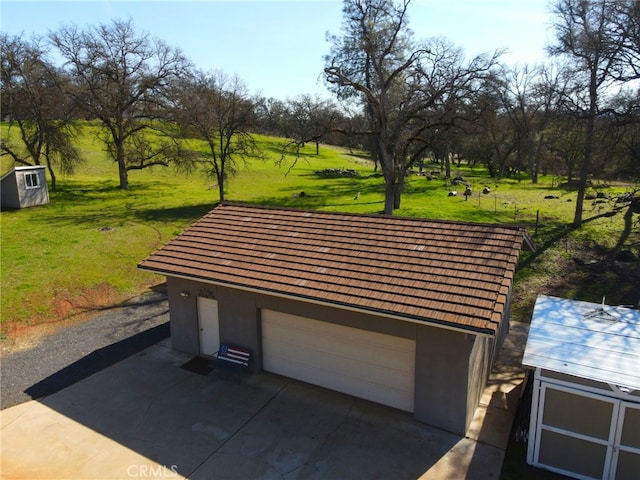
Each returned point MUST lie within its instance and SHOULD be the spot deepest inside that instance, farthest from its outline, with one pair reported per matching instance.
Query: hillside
(79, 253)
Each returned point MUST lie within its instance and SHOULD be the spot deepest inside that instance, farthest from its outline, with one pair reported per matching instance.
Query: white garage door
(364, 364)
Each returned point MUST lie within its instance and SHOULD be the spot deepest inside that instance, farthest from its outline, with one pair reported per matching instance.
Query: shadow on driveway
(98, 360)
(146, 416)
(128, 410)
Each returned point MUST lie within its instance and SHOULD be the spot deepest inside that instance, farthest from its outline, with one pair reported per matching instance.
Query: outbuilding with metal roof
(585, 412)
(405, 312)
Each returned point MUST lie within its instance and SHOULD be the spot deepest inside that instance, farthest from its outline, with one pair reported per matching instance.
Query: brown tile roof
(448, 273)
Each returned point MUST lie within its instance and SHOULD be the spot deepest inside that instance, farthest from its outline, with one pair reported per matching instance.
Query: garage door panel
(342, 353)
(393, 395)
(628, 465)
(630, 433)
(572, 454)
(336, 366)
(321, 337)
(361, 363)
(337, 355)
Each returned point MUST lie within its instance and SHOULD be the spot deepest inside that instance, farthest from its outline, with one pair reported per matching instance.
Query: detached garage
(585, 414)
(405, 312)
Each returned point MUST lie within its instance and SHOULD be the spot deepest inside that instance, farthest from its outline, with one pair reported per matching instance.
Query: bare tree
(591, 43)
(35, 101)
(492, 138)
(375, 60)
(219, 111)
(449, 91)
(305, 119)
(529, 96)
(121, 80)
(400, 83)
(270, 113)
(628, 28)
(565, 141)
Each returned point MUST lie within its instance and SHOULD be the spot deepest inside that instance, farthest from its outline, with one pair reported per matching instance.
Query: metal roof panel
(588, 340)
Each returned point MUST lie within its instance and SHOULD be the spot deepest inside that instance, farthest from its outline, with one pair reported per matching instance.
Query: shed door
(208, 325)
(364, 364)
(626, 461)
(587, 435)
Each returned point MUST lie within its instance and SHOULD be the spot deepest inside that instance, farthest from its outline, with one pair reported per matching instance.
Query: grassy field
(80, 252)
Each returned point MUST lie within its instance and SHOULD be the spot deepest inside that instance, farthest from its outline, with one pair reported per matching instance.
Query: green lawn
(80, 251)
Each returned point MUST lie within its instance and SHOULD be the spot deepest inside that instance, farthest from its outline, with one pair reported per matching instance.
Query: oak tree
(35, 100)
(592, 45)
(218, 110)
(405, 88)
(121, 80)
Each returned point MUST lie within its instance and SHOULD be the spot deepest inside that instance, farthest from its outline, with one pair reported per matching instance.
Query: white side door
(208, 325)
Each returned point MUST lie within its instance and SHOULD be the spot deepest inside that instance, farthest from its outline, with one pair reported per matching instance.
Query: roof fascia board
(29, 167)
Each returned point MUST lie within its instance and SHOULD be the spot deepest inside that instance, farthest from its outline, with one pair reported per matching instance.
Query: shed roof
(19, 168)
(453, 274)
(587, 340)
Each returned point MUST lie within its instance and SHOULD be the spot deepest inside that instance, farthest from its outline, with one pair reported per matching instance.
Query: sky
(277, 47)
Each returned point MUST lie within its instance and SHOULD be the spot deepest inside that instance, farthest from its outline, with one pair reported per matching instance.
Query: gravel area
(74, 352)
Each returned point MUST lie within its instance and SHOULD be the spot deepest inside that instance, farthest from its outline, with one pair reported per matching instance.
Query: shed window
(31, 180)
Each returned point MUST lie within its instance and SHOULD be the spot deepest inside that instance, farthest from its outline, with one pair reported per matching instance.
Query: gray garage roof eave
(316, 301)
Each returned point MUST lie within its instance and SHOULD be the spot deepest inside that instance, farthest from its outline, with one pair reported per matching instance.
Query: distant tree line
(404, 101)
(578, 115)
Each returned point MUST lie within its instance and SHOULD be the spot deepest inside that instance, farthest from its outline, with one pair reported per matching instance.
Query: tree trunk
(220, 178)
(122, 166)
(447, 164)
(397, 193)
(569, 175)
(588, 148)
(53, 177)
(389, 198)
(584, 174)
(50, 168)
(124, 176)
(398, 188)
(537, 160)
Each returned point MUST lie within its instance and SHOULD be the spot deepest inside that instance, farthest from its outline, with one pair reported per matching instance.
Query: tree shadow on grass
(185, 212)
(558, 233)
(348, 192)
(592, 271)
(100, 214)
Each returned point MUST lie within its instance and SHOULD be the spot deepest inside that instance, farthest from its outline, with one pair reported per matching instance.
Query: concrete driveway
(145, 417)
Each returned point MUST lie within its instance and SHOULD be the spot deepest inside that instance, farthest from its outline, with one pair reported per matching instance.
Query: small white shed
(24, 186)
(585, 412)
